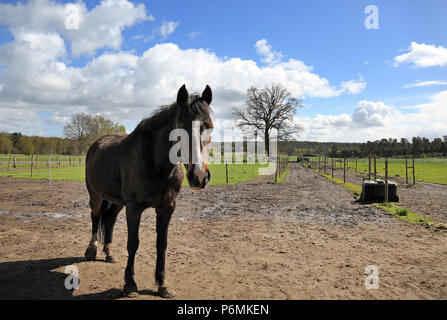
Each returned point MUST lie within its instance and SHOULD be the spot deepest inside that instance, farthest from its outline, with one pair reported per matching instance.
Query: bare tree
(267, 109)
(85, 128)
(78, 129)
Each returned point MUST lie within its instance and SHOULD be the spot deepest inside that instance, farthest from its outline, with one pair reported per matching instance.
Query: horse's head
(194, 117)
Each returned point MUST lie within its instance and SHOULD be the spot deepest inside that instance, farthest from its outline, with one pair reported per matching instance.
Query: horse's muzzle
(198, 178)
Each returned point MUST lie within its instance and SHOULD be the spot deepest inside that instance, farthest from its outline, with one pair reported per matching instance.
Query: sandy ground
(303, 239)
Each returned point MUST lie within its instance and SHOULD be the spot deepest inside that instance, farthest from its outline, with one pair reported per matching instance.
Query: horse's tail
(101, 221)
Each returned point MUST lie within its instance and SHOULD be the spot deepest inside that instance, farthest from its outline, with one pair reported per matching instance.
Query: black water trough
(374, 191)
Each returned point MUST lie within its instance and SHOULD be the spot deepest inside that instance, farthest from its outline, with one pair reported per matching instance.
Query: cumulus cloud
(423, 56)
(373, 120)
(371, 114)
(353, 86)
(36, 73)
(266, 51)
(86, 30)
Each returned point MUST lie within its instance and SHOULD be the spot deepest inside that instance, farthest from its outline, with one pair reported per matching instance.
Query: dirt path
(303, 239)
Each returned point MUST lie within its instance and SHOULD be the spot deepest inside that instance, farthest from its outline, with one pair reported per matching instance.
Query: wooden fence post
(344, 170)
(15, 164)
(332, 168)
(356, 164)
(9, 162)
(414, 176)
(50, 168)
(32, 159)
(386, 180)
(369, 167)
(406, 171)
(375, 167)
(226, 171)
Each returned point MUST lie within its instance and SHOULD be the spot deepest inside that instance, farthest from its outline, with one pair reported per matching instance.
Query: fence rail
(410, 170)
(14, 162)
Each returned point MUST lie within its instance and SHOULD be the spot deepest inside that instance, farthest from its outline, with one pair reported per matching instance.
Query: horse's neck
(160, 149)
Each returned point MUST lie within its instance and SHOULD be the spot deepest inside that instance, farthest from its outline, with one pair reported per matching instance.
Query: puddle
(55, 215)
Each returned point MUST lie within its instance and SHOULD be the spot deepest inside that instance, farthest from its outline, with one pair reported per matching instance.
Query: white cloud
(193, 34)
(423, 55)
(353, 86)
(371, 114)
(426, 84)
(95, 29)
(167, 28)
(37, 74)
(375, 120)
(269, 55)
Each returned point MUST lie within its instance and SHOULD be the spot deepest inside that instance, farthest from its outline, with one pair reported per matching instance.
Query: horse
(134, 170)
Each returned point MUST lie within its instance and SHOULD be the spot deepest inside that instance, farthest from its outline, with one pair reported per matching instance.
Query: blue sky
(328, 37)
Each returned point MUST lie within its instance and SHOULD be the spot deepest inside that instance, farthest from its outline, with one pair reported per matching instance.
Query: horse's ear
(182, 96)
(207, 94)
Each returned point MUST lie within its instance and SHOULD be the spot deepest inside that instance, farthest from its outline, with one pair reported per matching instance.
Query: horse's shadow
(34, 279)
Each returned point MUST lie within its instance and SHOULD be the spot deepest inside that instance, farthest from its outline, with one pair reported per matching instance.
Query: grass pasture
(40, 161)
(237, 172)
(426, 169)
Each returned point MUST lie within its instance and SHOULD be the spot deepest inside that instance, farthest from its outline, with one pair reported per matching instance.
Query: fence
(322, 165)
(37, 161)
(408, 170)
(281, 165)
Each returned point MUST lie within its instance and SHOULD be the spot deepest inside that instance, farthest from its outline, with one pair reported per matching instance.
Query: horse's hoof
(130, 291)
(164, 293)
(111, 259)
(90, 253)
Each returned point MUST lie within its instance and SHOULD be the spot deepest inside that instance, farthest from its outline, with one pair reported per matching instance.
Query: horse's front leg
(133, 217)
(163, 218)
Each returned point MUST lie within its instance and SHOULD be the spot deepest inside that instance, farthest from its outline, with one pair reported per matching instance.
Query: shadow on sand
(34, 279)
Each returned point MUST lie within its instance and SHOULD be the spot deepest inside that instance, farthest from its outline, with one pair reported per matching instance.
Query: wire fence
(14, 162)
(410, 170)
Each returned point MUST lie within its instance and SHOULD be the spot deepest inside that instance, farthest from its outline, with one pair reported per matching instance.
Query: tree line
(417, 146)
(82, 130)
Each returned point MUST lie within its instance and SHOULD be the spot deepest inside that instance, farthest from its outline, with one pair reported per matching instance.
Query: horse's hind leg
(95, 205)
(108, 221)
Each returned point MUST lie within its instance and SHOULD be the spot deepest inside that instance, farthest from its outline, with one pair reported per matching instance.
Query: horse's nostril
(208, 175)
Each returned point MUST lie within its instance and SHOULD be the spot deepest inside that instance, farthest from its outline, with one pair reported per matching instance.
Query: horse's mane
(168, 113)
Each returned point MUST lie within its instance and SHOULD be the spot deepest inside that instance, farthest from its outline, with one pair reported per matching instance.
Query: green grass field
(41, 160)
(426, 169)
(398, 211)
(236, 173)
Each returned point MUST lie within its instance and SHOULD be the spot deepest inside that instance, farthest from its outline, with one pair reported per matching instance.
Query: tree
(85, 128)
(267, 109)
(77, 129)
(25, 145)
(5, 143)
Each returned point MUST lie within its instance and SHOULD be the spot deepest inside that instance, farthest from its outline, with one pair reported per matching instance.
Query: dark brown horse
(136, 171)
